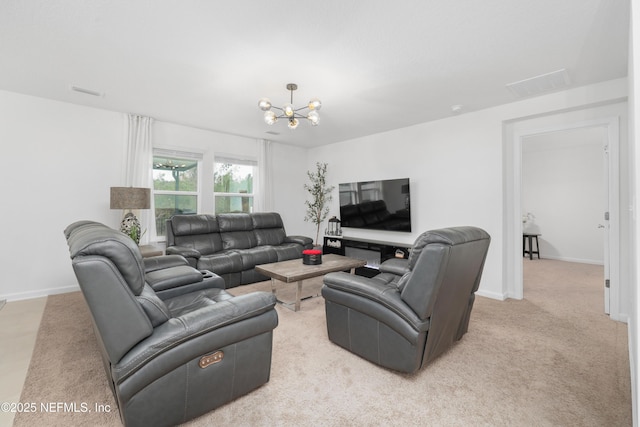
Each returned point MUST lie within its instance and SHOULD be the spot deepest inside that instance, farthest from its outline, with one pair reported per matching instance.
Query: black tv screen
(376, 205)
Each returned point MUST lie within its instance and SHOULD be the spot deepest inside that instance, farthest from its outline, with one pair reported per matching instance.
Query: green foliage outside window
(171, 177)
(230, 182)
(230, 178)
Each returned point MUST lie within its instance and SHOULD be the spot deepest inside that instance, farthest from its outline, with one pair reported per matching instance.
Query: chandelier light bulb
(264, 104)
(288, 110)
(313, 117)
(315, 104)
(293, 123)
(270, 117)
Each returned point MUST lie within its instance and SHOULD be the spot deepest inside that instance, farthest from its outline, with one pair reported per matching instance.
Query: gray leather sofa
(176, 353)
(415, 309)
(231, 245)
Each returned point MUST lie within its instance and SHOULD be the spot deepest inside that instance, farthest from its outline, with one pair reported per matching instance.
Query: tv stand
(375, 252)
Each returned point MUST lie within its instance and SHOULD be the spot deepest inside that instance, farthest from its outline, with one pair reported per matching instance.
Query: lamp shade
(130, 198)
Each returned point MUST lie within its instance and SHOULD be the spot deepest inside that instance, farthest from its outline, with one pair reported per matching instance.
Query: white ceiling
(376, 65)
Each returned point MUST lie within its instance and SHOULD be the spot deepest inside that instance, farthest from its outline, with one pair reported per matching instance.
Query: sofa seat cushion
(221, 263)
(257, 256)
(387, 279)
(195, 300)
(287, 251)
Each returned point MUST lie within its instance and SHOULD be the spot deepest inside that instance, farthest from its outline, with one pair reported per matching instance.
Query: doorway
(565, 197)
(515, 134)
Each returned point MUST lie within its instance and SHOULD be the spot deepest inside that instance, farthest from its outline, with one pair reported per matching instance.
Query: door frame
(513, 263)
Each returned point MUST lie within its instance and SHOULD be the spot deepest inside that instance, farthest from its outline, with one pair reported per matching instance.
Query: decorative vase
(130, 226)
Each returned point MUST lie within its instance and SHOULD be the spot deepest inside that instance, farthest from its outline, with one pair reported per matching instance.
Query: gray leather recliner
(175, 354)
(415, 309)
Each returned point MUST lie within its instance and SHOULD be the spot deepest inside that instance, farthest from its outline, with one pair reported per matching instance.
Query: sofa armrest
(164, 261)
(396, 266)
(368, 296)
(198, 326)
(172, 277)
(191, 255)
(301, 240)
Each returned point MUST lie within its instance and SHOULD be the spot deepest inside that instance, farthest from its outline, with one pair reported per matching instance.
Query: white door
(605, 223)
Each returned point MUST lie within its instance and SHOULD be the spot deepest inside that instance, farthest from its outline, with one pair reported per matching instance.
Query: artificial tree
(317, 207)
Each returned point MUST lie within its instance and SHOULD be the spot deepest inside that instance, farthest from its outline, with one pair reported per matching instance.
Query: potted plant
(317, 207)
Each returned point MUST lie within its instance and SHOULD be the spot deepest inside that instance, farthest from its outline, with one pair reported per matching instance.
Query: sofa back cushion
(88, 238)
(446, 267)
(236, 231)
(200, 232)
(444, 262)
(268, 228)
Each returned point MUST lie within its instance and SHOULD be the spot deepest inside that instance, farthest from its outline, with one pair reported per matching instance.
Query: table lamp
(128, 198)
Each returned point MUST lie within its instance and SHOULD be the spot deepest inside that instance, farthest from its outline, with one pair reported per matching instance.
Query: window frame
(176, 155)
(242, 161)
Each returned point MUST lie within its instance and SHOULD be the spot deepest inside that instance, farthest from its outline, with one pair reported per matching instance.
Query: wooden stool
(526, 237)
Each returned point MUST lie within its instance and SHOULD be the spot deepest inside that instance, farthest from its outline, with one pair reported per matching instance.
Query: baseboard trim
(492, 295)
(39, 293)
(576, 260)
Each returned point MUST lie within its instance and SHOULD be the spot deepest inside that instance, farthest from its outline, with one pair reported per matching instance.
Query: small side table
(528, 238)
(149, 251)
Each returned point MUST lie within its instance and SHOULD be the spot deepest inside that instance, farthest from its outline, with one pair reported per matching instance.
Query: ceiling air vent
(85, 90)
(549, 82)
(270, 132)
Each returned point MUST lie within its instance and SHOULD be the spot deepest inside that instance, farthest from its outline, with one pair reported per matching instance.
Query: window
(175, 186)
(234, 184)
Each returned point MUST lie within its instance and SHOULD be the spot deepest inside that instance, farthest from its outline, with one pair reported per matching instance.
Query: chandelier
(289, 112)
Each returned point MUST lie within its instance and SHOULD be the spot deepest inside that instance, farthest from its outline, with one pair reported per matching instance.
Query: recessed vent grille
(549, 82)
(85, 91)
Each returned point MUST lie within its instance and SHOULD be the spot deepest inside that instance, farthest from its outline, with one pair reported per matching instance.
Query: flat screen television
(376, 205)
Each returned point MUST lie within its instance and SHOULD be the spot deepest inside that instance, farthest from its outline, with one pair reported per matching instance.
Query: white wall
(61, 159)
(563, 187)
(457, 168)
(289, 175)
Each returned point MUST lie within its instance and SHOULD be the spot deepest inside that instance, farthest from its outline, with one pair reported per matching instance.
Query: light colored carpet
(552, 359)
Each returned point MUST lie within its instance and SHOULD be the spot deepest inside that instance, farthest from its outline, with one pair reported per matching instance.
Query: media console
(374, 252)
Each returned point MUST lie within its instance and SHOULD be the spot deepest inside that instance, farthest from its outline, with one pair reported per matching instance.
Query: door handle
(600, 226)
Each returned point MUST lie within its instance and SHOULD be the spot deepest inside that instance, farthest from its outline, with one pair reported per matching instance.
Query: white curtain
(264, 200)
(139, 166)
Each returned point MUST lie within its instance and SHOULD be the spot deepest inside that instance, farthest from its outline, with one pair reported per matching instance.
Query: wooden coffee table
(295, 271)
